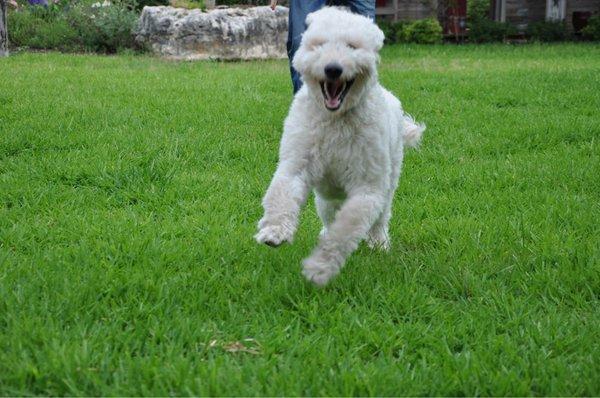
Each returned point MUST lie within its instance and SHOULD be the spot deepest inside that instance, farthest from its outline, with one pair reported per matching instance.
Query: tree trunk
(3, 29)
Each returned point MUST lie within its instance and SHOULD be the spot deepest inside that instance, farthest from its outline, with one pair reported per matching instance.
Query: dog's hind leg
(379, 237)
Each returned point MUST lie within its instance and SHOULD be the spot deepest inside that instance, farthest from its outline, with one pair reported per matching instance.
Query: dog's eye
(352, 46)
(316, 44)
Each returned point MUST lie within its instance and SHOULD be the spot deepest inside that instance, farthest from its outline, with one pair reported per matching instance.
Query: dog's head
(338, 56)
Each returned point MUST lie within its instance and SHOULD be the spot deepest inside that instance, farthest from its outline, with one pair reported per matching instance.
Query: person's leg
(362, 7)
(299, 9)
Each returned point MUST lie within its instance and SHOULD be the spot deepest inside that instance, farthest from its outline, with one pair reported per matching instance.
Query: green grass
(130, 189)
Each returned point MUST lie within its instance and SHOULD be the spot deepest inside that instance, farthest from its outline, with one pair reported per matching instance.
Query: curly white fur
(350, 156)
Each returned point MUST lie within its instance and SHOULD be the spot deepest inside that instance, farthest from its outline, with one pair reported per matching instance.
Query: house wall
(417, 9)
(520, 13)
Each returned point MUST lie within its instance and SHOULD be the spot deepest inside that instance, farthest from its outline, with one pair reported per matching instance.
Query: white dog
(343, 138)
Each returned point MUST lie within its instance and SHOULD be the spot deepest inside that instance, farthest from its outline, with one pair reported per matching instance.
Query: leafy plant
(592, 30)
(390, 30)
(481, 28)
(478, 9)
(547, 31)
(487, 31)
(42, 28)
(105, 28)
(424, 31)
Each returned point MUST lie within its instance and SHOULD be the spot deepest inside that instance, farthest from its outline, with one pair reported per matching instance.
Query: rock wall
(224, 34)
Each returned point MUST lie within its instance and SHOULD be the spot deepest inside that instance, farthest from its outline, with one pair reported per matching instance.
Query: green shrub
(42, 28)
(424, 31)
(390, 30)
(478, 9)
(487, 31)
(74, 27)
(481, 28)
(547, 31)
(104, 29)
(592, 30)
(401, 32)
(57, 34)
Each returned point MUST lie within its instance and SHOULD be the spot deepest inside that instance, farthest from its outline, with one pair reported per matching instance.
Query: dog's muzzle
(334, 88)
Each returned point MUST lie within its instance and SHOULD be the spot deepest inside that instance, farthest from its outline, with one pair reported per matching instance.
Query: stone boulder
(225, 34)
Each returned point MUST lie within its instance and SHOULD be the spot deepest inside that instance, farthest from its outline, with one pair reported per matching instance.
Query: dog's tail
(412, 131)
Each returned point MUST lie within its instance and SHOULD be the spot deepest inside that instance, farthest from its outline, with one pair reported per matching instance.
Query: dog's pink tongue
(332, 102)
(333, 94)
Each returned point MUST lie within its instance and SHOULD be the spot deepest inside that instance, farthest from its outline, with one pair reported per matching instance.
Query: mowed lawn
(130, 189)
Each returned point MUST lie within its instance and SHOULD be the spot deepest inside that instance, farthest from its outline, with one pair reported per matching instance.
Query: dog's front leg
(282, 203)
(351, 224)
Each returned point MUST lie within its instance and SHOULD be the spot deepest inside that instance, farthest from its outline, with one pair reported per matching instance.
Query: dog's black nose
(333, 70)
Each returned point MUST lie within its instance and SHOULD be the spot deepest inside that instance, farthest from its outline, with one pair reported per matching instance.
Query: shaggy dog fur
(344, 139)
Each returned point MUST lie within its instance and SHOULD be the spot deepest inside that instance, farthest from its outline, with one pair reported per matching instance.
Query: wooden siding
(522, 12)
(419, 9)
(519, 13)
(408, 10)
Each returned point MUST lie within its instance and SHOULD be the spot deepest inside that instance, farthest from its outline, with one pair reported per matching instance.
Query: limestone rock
(225, 34)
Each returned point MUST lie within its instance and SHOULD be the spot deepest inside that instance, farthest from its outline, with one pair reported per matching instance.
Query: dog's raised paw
(273, 235)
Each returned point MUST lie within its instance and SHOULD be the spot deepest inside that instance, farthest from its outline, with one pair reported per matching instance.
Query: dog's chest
(338, 158)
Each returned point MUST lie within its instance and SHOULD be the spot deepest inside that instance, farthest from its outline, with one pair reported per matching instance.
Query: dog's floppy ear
(309, 18)
(378, 37)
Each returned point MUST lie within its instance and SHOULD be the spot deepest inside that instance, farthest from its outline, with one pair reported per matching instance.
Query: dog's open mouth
(334, 92)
